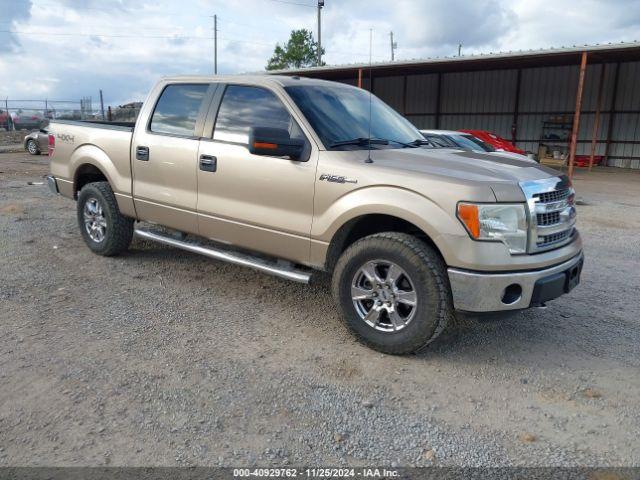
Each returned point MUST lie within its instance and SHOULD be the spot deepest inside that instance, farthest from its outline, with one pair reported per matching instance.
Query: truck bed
(126, 126)
(81, 146)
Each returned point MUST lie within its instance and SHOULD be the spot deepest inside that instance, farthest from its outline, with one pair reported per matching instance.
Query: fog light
(512, 294)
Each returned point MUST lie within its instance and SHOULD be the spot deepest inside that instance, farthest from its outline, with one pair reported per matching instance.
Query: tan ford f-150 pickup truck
(289, 175)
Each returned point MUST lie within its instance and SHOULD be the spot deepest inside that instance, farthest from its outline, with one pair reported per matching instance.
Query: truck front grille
(552, 214)
(554, 238)
(555, 196)
(550, 218)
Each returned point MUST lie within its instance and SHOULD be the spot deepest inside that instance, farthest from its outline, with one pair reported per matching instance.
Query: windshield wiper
(360, 141)
(381, 141)
(421, 141)
(414, 143)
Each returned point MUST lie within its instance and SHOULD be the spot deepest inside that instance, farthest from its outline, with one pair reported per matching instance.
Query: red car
(3, 120)
(498, 142)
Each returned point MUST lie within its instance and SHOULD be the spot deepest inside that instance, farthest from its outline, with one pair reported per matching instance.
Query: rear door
(263, 203)
(164, 155)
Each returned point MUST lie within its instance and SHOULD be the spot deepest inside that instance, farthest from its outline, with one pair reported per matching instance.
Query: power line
(238, 24)
(294, 3)
(75, 34)
(250, 42)
(171, 37)
(118, 9)
(160, 30)
(89, 25)
(175, 37)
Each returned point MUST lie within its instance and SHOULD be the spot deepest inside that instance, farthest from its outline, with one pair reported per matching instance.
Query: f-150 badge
(337, 178)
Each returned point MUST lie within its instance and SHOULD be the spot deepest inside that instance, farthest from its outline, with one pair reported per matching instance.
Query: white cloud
(72, 48)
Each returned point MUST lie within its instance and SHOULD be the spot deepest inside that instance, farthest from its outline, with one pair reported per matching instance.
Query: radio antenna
(368, 160)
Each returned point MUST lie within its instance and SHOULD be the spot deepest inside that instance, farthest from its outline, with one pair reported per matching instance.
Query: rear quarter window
(177, 109)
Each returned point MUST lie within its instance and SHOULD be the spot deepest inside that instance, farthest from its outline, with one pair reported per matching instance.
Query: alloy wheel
(384, 295)
(95, 222)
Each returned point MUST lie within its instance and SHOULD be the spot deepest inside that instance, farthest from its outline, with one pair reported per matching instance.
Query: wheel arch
(369, 224)
(87, 173)
(377, 209)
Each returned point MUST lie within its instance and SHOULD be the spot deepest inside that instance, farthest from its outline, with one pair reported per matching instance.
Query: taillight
(52, 144)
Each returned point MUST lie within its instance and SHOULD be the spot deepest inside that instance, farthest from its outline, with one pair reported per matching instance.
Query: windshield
(472, 143)
(340, 114)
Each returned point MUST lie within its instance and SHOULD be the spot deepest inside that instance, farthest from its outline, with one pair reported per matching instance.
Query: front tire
(393, 290)
(105, 230)
(32, 147)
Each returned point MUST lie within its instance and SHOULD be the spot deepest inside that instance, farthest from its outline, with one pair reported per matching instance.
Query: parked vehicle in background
(466, 141)
(496, 141)
(26, 120)
(4, 120)
(37, 142)
(299, 174)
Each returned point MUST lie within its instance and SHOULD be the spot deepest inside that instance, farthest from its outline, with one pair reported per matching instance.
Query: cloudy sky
(66, 49)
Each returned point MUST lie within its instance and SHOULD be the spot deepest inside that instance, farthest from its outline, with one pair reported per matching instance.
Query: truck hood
(501, 173)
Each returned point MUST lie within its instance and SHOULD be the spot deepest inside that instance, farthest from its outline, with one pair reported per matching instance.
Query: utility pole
(460, 49)
(10, 125)
(102, 105)
(394, 45)
(215, 44)
(320, 5)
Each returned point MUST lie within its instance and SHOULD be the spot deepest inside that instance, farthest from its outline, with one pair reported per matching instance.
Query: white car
(466, 141)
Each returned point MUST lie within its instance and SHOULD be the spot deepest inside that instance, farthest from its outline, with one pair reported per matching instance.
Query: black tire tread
(120, 228)
(408, 245)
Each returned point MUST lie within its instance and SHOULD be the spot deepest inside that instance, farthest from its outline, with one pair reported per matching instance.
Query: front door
(164, 157)
(262, 203)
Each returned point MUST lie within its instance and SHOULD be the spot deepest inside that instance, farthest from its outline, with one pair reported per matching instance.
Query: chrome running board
(282, 271)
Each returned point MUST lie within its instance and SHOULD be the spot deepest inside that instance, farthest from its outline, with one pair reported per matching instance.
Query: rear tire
(32, 147)
(380, 312)
(105, 230)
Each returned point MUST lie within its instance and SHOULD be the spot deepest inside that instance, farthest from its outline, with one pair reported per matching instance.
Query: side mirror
(274, 142)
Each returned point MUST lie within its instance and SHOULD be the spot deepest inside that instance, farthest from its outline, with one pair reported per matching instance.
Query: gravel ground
(160, 357)
(12, 137)
(11, 142)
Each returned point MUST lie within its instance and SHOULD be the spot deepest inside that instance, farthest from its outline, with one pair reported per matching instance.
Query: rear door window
(244, 107)
(177, 109)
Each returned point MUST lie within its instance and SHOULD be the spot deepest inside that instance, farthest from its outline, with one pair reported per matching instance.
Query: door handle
(208, 163)
(142, 153)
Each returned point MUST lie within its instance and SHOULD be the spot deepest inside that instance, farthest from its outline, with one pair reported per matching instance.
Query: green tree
(300, 51)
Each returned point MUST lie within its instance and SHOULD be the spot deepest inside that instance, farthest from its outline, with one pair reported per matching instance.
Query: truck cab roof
(266, 80)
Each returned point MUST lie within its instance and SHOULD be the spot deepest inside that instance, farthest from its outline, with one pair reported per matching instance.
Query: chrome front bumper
(53, 185)
(493, 292)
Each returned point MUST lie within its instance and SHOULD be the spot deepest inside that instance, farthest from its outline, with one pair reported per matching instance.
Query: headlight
(506, 223)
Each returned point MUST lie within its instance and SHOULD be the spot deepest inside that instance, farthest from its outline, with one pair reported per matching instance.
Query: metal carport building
(521, 96)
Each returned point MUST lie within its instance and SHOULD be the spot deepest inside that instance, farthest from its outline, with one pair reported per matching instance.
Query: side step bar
(287, 272)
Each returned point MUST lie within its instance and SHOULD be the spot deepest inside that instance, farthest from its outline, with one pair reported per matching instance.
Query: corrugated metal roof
(491, 56)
